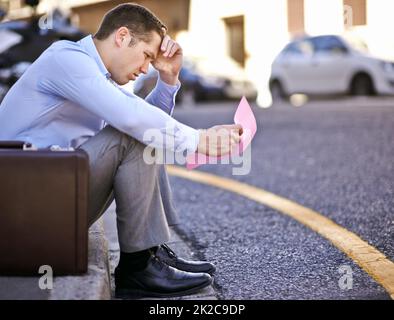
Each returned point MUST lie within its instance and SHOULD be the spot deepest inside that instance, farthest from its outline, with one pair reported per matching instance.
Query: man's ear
(122, 36)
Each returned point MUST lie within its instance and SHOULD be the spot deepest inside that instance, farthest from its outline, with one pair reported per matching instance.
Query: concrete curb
(95, 284)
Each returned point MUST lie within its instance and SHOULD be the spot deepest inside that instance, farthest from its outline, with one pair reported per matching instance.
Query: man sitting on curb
(70, 96)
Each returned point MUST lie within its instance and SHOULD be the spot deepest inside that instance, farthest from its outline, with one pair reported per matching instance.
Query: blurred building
(251, 32)
(87, 14)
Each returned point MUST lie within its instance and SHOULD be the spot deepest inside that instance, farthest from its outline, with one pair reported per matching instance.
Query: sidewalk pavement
(98, 282)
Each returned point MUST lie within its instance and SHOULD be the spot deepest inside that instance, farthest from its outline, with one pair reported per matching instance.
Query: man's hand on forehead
(169, 60)
(168, 46)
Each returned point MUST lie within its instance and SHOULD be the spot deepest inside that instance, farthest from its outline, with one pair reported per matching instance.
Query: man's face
(132, 60)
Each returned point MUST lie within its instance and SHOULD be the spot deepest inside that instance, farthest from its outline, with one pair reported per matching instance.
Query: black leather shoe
(158, 280)
(165, 254)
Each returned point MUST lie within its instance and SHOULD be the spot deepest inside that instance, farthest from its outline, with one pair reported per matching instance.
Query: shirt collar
(89, 46)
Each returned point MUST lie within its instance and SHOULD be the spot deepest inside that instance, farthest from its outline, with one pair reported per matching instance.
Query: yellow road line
(375, 263)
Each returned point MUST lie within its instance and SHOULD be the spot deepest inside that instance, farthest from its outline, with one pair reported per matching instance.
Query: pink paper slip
(243, 116)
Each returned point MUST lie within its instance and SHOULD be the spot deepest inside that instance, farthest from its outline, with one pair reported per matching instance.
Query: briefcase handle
(16, 144)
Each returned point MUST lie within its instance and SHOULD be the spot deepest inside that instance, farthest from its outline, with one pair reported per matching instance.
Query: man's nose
(145, 67)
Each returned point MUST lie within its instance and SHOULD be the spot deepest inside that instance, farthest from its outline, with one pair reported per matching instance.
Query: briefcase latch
(29, 147)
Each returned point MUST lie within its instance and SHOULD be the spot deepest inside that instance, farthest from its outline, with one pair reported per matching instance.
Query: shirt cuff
(169, 91)
(192, 140)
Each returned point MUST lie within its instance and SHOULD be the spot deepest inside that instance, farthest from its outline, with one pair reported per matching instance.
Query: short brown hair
(138, 19)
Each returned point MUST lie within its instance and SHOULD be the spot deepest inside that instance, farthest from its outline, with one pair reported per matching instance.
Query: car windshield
(328, 44)
(357, 44)
(299, 47)
(332, 43)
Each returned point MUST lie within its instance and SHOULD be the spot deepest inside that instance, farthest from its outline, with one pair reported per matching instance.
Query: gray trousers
(144, 208)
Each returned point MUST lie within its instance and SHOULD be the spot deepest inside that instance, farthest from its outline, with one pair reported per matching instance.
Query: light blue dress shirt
(67, 96)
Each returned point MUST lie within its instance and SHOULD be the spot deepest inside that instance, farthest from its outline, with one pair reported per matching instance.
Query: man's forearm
(163, 95)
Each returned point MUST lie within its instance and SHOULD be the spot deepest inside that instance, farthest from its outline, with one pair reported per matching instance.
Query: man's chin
(128, 80)
(121, 82)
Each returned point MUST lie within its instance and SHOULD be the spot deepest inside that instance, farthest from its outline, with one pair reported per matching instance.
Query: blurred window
(328, 44)
(302, 48)
(306, 47)
(357, 43)
(358, 10)
(236, 38)
(292, 48)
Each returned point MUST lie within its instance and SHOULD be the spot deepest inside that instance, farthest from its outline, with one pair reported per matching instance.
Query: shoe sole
(209, 271)
(135, 294)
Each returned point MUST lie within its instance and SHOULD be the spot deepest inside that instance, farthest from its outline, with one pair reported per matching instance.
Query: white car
(329, 64)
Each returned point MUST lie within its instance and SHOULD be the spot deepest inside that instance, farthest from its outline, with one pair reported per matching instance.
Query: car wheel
(362, 85)
(277, 92)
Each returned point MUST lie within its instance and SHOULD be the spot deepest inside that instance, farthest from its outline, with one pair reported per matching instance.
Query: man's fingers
(238, 127)
(170, 47)
(174, 49)
(164, 43)
(235, 137)
(221, 139)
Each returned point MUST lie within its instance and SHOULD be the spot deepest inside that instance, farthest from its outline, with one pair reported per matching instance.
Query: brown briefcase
(43, 210)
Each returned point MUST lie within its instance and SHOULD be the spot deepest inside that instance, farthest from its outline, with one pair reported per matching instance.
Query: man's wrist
(201, 147)
(172, 80)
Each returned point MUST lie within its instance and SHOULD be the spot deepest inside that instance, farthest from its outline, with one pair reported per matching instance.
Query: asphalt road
(335, 157)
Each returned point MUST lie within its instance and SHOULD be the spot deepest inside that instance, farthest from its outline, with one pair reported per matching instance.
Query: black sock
(134, 261)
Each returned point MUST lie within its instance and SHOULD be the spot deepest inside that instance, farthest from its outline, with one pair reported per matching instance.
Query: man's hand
(219, 140)
(169, 60)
